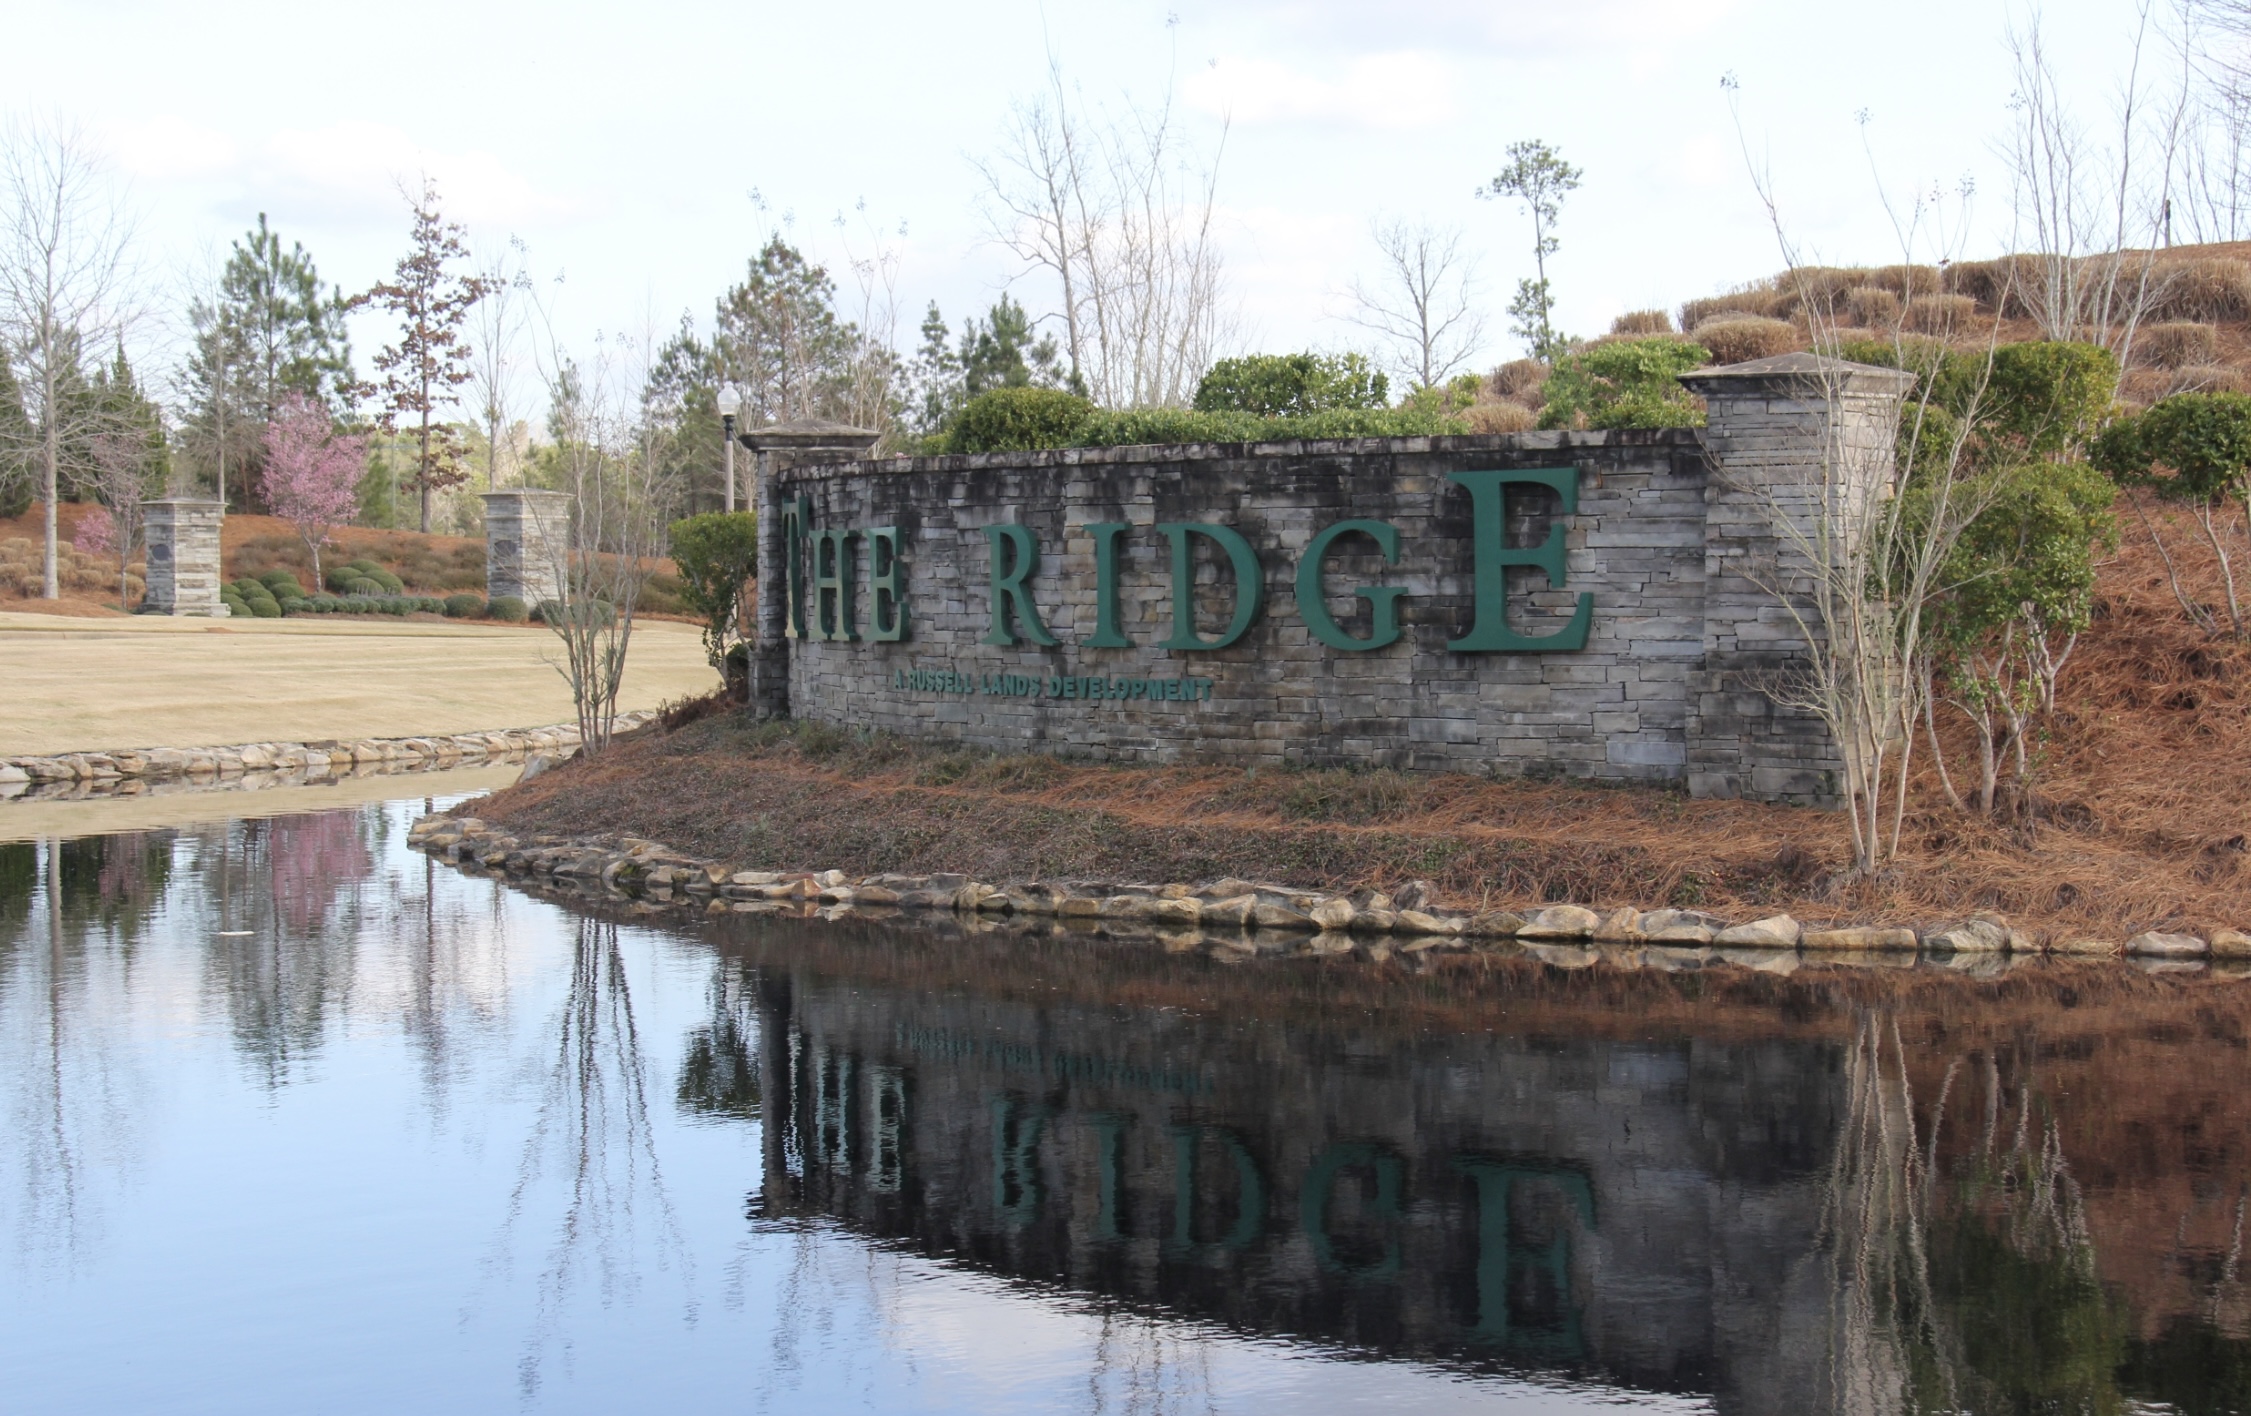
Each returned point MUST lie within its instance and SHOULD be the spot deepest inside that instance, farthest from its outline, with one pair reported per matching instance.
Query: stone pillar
(527, 544)
(804, 441)
(184, 566)
(1798, 436)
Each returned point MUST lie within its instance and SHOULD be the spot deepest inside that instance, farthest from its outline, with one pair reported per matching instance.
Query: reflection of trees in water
(72, 914)
(1962, 1283)
(284, 910)
(719, 1069)
(592, 1141)
(1145, 1366)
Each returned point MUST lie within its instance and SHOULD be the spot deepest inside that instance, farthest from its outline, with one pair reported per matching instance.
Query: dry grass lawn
(72, 684)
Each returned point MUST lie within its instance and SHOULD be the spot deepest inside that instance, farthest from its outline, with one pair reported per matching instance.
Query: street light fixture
(730, 403)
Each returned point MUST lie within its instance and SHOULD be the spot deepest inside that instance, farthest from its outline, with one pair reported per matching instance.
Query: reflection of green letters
(1016, 558)
(887, 586)
(1383, 600)
(1250, 583)
(1321, 1184)
(1550, 1263)
(1109, 1142)
(1016, 1162)
(797, 517)
(832, 586)
(1250, 1188)
(1489, 630)
(1106, 536)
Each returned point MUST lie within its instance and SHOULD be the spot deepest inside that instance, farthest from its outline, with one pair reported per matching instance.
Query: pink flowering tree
(312, 472)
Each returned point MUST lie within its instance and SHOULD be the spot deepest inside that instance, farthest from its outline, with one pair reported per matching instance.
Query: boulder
(2099, 948)
(1859, 939)
(1621, 926)
(1417, 922)
(1774, 932)
(1267, 916)
(1976, 936)
(1561, 922)
(2230, 944)
(971, 896)
(1679, 927)
(1373, 921)
(1235, 911)
(1493, 924)
(1414, 895)
(1335, 913)
(2151, 944)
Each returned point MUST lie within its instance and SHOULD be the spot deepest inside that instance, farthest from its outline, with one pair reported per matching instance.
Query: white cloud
(168, 146)
(1401, 90)
(362, 164)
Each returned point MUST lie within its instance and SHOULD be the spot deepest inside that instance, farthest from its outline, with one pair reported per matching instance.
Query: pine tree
(1538, 178)
(16, 440)
(419, 373)
(270, 331)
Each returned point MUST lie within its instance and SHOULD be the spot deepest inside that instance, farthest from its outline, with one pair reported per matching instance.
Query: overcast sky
(622, 141)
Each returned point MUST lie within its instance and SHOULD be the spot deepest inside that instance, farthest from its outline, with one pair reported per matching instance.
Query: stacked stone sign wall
(184, 571)
(1540, 603)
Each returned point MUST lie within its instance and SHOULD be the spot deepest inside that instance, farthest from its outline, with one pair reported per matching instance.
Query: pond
(299, 1120)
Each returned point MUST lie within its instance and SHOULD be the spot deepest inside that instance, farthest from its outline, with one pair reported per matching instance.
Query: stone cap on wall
(1546, 441)
(1796, 373)
(524, 492)
(809, 435)
(183, 501)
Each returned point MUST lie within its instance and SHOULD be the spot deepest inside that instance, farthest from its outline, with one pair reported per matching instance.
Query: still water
(297, 1121)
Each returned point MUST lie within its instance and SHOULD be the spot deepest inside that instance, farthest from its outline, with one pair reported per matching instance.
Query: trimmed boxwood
(1017, 420)
(464, 606)
(509, 608)
(283, 585)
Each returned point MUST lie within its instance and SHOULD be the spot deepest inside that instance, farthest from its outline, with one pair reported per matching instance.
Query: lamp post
(730, 403)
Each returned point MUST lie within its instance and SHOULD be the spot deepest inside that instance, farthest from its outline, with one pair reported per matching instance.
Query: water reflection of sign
(1066, 1147)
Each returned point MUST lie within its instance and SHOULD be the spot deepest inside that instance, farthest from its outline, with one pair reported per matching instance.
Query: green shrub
(1283, 385)
(464, 606)
(1017, 420)
(509, 608)
(2192, 447)
(283, 585)
(717, 553)
(363, 587)
(232, 599)
(1138, 426)
(1627, 383)
(265, 609)
(430, 604)
(2045, 398)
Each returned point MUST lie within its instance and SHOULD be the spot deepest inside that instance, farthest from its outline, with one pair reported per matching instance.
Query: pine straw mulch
(2136, 820)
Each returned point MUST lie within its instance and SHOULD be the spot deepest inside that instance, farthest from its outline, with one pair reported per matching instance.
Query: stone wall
(1647, 661)
(184, 567)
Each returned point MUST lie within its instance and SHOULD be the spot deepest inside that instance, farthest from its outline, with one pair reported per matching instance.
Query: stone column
(184, 567)
(1798, 436)
(527, 544)
(779, 446)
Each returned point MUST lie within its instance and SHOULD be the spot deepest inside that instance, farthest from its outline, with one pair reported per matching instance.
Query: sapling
(312, 472)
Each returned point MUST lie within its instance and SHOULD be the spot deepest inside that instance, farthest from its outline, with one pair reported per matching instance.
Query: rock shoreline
(1262, 915)
(131, 771)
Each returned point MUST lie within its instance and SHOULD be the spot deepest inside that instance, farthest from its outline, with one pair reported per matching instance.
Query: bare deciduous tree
(1119, 211)
(1423, 304)
(610, 455)
(63, 286)
(1859, 566)
(2081, 205)
(499, 323)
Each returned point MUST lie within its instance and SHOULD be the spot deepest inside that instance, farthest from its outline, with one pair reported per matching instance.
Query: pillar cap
(809, 435)
(1801, 372)
(183, 501)
(524, 492)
